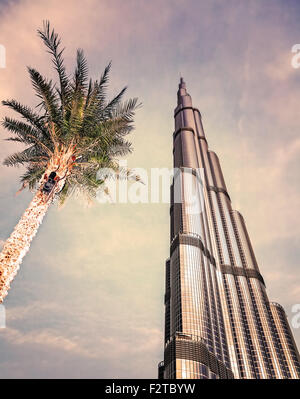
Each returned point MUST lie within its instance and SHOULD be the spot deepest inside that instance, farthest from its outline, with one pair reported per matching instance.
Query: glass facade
(219, 322)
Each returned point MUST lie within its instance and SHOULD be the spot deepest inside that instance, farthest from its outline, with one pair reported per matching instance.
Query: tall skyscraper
(219, 322)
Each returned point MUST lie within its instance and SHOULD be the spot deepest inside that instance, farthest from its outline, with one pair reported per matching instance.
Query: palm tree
(69, 138)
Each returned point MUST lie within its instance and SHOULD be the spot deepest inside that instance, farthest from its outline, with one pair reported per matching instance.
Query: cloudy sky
(88, 299)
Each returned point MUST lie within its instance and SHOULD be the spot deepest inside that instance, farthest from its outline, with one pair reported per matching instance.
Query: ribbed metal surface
(214, 289)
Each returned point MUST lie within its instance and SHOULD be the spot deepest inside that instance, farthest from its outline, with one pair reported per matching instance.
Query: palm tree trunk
(17, 245)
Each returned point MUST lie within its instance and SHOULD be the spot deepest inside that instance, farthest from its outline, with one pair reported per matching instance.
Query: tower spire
(183, 98)
(182, 84)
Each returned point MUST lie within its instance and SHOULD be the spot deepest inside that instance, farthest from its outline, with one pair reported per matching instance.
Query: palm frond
(52, 41)
(81, 72)
(126, 110)
(29, 155)
(23, 131)
(32, 176)
(111, 106)
(64, 193)
(28, 114)
(78, 95)
(103, 84)
(45, 91)
(120, 148)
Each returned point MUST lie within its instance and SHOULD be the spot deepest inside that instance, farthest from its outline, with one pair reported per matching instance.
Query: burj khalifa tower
(219, 322)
